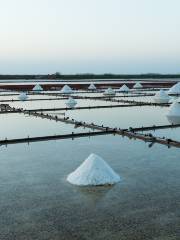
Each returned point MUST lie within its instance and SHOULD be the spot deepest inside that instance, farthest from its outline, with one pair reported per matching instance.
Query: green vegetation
(91, 76)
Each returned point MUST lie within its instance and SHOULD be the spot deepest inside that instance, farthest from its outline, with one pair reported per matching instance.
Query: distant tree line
(90, 76)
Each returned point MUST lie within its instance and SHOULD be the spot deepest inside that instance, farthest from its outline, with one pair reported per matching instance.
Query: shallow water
(172, 133)
(60, 103)
(124, 117)
(16, 97)
(37, 203)
(22, 126)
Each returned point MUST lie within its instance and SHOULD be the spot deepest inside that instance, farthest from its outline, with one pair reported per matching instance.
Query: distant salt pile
(37, 88)
(124, 88)
(175, 90)
(92, 87)
(174, 113)
(93, 171)
(22, 96)
(71, 103)
(109, 92)
(161, 97)
(173, 99)
(138, 85)
(66, 90)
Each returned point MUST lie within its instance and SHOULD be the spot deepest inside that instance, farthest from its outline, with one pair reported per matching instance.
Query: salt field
(168, 133)
(90, 120)
(123, 117)
(88, 165)
(37, 201)
(20, 125)
(53, 103)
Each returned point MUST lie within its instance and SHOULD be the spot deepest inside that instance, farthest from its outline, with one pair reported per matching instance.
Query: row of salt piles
(163, 97)
(109, 92)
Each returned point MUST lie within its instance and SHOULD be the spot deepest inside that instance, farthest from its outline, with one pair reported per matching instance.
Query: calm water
(60, 103)
(20, 126)
(37, 96)
(173, 133)
(37, 203)
(123, 117)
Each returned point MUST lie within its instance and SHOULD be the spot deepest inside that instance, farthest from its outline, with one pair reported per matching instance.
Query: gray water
(16, 125)
(59, 103)
(37, 203)
(124, 117)
(172, 133)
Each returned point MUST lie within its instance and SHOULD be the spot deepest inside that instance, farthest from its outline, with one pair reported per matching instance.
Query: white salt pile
(175, 90)
(138, 85)
(93, 171)
(161, 97)
(22, 96)
(174, 113)
(92, 87)
(66, 89)
(124, 88)
(109, 92)
(71, 103)
(37, 88)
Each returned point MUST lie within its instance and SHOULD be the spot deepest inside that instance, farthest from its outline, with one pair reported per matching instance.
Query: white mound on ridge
(138, 85)
(174, 113)
(124, 88)
(22, 96)
(71, 103)
(92, 87)
(175, 90)
(109, 92)
(66, 89)
(161, 97)
(37, 88)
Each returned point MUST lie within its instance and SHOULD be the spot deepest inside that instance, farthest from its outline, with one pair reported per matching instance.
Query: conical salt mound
(109, 92)
(138, 85)
(93, 171)
(174, 113)
(175, 90)
(22, 96)
(66, 89)
(161, 97)
(37, 88)
(71, 103)
(124, 88)
(92, 87)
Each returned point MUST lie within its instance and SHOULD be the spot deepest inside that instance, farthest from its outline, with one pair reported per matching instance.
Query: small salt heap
(71, 103)
(37, 88)
(93, 171)
(138, 85)
(161, 97)
(66, 90)
(22, 96)
(124, 88)
(174, 113)
(92, 87)
(175, 90)
(109, 92)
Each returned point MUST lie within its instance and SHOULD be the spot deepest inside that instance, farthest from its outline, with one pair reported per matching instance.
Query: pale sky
(95, 36)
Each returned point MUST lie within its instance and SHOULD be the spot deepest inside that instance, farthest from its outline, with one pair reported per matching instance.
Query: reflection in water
(173, 115)
(174, 119)
(94, 195)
